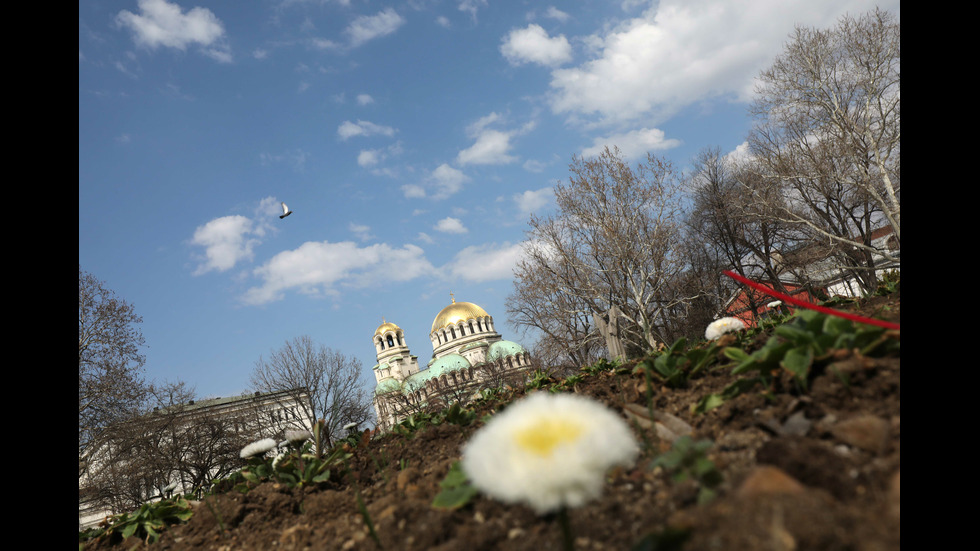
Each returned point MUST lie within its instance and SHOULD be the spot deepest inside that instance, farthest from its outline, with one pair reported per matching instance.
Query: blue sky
(410, 139)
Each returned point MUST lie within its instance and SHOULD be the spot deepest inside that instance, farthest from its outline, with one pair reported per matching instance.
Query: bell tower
(395, 360)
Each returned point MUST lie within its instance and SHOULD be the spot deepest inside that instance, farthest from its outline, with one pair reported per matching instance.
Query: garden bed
(814, 468)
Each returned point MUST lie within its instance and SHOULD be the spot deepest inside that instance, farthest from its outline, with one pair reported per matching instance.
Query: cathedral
(467, 353)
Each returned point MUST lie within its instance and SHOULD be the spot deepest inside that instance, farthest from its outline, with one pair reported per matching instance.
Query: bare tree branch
(327, 379)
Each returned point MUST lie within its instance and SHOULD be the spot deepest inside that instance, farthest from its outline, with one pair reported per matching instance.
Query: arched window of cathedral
(453, 332)
(390, 341)
(478, 326)
(471, 328)
(381, 342)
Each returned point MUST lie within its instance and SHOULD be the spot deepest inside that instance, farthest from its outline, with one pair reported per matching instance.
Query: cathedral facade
(467, 354)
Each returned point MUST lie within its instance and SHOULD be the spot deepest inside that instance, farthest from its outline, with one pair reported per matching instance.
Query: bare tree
(614, 240)
(828, 134)
(110, 362)
(137, 458)
(562, 322)
(734, 220)
(329, 379)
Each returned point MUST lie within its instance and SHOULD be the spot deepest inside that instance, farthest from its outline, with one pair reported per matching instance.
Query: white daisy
(297, 435)
(258, 447)
(549, 451)
(721, 326)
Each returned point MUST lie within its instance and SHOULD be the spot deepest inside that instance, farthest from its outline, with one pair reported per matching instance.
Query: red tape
(804, 304)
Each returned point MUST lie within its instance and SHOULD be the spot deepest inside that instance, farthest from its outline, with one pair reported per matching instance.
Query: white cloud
(491, 147)
(634, 144)
(448, 181)
(349, 129)
(441, 183)
(325, 44)
(362, 231)
(369, 27)
(740, 153)
(161, 23)
(532, 165)
(680, 52)
(443, 21)
(364, 99)
(413, 191)
(557, 14)
(532, 200)
(295, 159)
(229, 240)
(471, 6)
(319, 268)
(451, 225)
(485, 262)
(226, 241)
(533, 45)
(369, 157)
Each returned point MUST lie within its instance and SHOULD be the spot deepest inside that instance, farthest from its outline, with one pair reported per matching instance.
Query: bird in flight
(285, 211)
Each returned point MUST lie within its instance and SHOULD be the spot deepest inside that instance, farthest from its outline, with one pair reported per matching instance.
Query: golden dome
(387, 326)
(456, 312)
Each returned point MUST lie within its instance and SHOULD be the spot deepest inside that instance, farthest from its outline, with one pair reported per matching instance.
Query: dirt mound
(815, 469)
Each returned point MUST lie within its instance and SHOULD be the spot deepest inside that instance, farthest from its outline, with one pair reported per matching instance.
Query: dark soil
(801, 471)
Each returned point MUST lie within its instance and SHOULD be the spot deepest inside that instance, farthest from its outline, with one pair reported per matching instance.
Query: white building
(467, 353)
(231, 422)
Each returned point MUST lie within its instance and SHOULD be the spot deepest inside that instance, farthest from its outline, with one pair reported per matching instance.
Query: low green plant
(807, 340)
(675, 365)
(456, 490)
(602, 365)
(489, 393)
(687, 459)
(413, 422)
(567, 383)
(298, 465)
(888, 283)
(296, 468)
(458, 415)
(146, 523)
(538, 379)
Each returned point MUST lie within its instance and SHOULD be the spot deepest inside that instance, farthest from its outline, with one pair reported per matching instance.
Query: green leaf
(708, 403)
(736, 354)
(129, 529)
(836, 325)
(454, 498)
(798, 361)
(322, 477)
(795, 334)
(456, 489)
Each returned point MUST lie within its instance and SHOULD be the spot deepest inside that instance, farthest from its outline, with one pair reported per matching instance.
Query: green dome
(473, 345)
(416, 381)
(447, 363)
(502, 349)
(387, 385)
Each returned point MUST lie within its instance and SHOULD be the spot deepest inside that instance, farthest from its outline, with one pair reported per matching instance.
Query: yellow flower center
(542, 437)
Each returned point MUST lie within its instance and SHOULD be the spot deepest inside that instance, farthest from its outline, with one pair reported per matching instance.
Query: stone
(405, 477)
(867, 432)
(768, 480)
